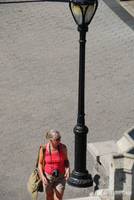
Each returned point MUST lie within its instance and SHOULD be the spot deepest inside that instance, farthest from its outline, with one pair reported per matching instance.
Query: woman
(55, 171)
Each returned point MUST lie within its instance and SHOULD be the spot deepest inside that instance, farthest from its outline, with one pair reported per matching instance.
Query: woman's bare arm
(40, 167)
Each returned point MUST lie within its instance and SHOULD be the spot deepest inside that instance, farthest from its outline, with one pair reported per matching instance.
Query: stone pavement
(38, 84)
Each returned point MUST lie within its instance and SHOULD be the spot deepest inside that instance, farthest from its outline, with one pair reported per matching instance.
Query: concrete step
(81, 198)
(87, 198)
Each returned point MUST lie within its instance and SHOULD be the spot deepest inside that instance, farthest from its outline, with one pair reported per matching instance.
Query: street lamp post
(83, 12)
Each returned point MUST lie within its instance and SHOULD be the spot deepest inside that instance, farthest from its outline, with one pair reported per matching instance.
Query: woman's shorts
(57, 183)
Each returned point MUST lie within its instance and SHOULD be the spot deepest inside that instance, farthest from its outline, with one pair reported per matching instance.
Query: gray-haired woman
(56, 170)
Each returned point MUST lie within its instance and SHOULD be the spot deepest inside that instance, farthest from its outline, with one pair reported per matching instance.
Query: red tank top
(54, 160)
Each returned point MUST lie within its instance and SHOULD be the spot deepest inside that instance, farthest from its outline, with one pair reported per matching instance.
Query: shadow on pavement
(121, 12)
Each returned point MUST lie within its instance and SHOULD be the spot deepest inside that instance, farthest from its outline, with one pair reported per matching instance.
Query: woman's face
(56, 139)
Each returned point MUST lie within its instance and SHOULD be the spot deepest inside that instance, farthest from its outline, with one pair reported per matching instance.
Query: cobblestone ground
(38, 85)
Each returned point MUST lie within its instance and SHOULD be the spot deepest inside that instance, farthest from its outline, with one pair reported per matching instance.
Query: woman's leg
(59, 188)
(58, 195)
(49, 195)
(49, 192)
(49, 188)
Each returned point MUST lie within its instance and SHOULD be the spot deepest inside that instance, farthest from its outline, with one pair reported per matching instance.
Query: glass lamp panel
(77, 13)
(89, 13)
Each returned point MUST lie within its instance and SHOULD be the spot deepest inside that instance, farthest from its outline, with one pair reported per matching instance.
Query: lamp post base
(80, 179)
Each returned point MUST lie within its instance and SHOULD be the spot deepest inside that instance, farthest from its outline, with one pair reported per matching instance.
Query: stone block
(98, 149)
(126, 143)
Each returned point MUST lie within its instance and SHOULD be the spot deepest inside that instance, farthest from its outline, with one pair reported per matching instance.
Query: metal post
(80, 176)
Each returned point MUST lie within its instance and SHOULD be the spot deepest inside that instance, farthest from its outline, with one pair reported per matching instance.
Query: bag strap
(37, 161)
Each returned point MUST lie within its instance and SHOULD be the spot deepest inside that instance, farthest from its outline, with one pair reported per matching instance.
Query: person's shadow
(96, 179)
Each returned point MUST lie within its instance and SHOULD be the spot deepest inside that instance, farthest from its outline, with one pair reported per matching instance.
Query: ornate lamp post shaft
(83, 12)
(81, 94)
(80, 176)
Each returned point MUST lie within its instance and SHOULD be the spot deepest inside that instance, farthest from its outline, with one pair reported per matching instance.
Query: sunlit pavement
(38, 84)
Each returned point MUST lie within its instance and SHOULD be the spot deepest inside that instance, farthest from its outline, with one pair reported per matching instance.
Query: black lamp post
(83, 12)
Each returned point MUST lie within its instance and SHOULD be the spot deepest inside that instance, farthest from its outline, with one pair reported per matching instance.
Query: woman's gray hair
(52, 134)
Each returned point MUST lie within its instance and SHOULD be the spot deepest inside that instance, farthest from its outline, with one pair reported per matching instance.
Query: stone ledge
(103, 152)
(98, 149)
(128, 6)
